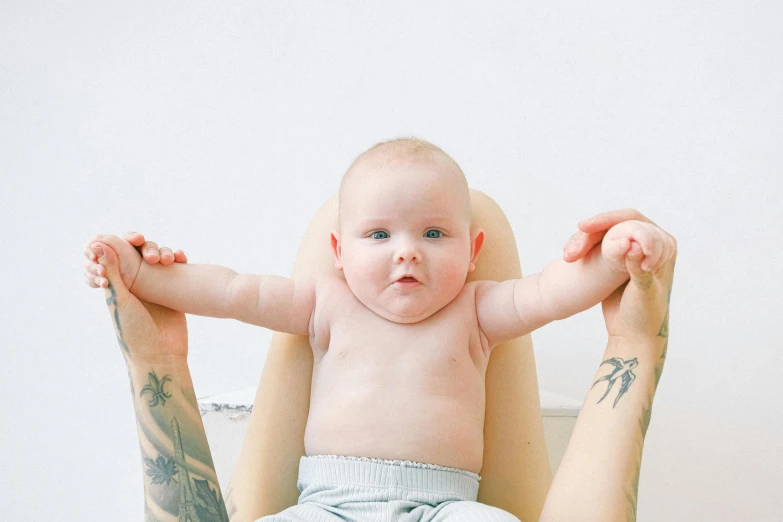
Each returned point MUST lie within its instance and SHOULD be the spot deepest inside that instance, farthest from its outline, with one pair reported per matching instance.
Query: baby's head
(404, 210)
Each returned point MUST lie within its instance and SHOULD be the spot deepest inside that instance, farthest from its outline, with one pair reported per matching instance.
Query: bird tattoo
(622, 370)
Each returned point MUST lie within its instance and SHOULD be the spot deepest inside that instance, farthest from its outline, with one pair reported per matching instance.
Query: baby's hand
(630, 236)
(129, 260)
(94, 273)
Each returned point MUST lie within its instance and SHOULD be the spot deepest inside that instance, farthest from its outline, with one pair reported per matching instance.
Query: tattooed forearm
(663, 332)
(622, 370)
(631, 495)
(180, 480)
(155, 388)
(111, 301)
(161, 470)
(632, 487)
(231, 506)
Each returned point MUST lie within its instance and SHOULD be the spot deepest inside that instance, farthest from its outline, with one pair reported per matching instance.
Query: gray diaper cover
(359, 489)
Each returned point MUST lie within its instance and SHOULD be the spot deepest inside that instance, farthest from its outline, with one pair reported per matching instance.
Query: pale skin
(626, 324)
(516, 473)
(399, 367)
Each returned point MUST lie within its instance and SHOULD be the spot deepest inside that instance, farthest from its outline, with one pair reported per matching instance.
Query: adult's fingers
(633, 263)
(593, 229)
(149, 249)
(580, 243)
(150, 252)
(606, 220)
(180, 257)
(153, 254)
(166, 256)
(134, 238)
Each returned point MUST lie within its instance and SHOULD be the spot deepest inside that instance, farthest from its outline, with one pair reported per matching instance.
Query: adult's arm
(179, 474)
(598, 478)
(178, 471)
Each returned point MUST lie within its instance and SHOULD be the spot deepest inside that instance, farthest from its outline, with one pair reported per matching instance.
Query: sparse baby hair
(404, 148)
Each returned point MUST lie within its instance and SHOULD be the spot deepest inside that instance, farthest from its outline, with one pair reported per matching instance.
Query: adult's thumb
(116, 294)
(633, 262)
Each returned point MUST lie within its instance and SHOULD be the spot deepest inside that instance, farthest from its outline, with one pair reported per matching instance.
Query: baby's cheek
(453, 275)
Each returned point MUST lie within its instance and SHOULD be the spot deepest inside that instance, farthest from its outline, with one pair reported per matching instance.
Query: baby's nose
(408, 253)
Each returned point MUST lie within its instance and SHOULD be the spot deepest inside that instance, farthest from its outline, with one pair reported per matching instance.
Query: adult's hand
(154, 341)
(639, 308)
(94, 273)
(145, 331)
(151, 253)
(613, 431)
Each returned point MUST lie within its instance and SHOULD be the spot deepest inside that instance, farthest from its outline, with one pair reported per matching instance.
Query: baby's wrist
(138, 281)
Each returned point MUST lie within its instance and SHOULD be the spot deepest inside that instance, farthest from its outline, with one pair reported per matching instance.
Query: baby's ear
(334, 239)
(476, 244)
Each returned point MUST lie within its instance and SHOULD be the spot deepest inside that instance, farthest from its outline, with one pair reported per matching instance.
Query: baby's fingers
(665, 247)
(91, 279)
(651, 248)
(653, 261)
(93, 273)
(613, 252)
(88, 253)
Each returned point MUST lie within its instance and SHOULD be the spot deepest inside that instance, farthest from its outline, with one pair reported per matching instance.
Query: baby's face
(409, 219)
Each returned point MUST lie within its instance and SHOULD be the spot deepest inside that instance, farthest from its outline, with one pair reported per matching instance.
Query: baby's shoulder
(468, 293)
(329, 293)
(327, 285)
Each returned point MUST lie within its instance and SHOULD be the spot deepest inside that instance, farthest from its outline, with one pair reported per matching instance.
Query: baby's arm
(274, 302)
(509, 309)
(568, 288)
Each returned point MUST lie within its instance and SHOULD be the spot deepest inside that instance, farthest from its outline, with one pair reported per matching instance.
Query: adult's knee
(485, 207)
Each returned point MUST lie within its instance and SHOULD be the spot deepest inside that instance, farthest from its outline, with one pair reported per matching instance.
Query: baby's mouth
(407, 280)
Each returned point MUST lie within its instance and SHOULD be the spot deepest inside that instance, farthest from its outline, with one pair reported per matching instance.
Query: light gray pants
(359, 489)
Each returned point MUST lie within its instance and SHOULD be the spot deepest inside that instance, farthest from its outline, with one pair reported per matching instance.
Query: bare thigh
(516, 473)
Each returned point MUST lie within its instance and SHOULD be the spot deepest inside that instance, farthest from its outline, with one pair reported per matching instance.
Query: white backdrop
(219, 128)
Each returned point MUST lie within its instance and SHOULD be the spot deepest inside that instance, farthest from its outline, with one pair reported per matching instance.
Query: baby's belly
(433, 415)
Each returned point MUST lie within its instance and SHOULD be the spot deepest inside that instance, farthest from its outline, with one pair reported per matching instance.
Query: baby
(401, 345)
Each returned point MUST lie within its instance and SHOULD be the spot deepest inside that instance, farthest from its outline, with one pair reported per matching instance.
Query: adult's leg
(516, 473)
(264, 480)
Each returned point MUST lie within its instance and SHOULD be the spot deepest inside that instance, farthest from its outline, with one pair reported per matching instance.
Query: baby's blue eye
(436, 231)
(379, 232)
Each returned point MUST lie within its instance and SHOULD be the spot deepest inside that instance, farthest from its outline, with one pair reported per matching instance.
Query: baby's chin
(403, 313)
(402, 319)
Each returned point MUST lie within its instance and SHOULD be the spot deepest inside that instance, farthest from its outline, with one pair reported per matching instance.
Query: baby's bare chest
(398, 391)
(441, 355)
